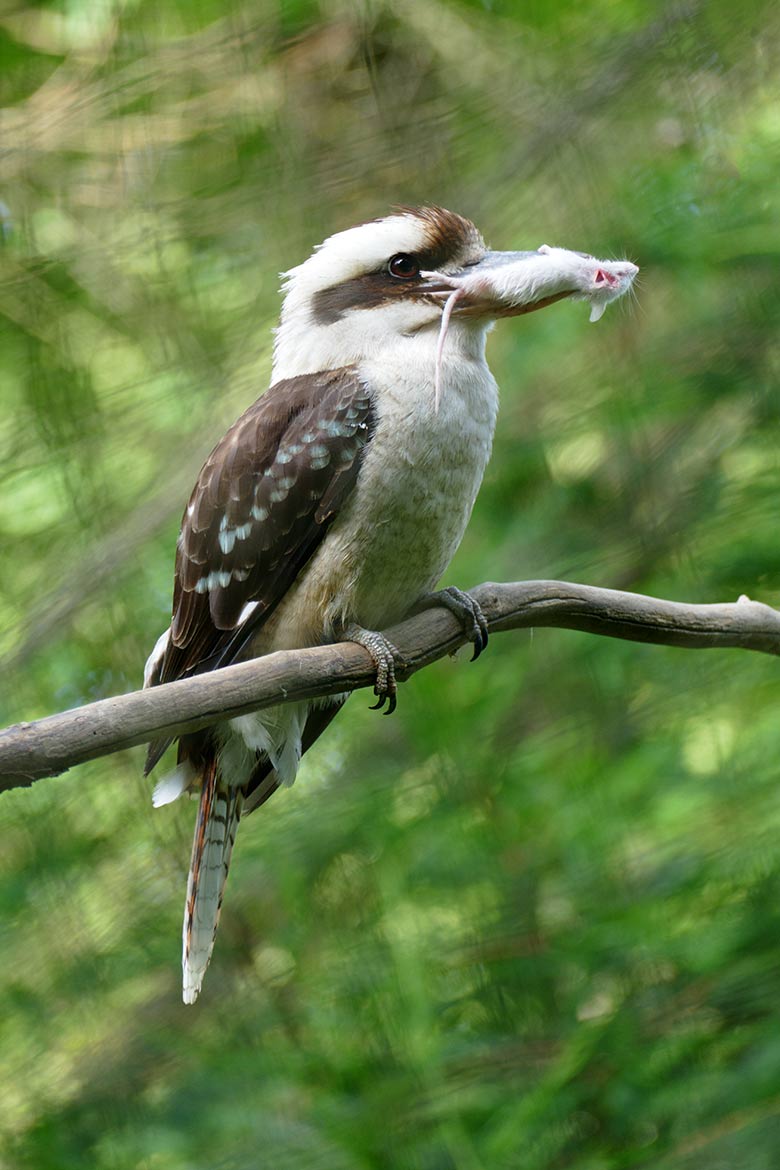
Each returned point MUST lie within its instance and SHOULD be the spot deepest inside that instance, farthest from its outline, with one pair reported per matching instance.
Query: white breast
(414, 495)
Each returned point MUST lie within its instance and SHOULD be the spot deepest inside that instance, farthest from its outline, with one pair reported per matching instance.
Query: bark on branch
(30, 751)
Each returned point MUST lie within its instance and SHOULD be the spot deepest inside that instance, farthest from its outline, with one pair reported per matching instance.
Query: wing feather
(261, 505)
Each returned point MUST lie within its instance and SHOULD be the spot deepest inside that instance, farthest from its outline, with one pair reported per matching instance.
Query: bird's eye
(403, 267)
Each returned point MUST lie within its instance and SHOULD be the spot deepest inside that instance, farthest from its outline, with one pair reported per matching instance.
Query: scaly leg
(466, 610)
(385, 656)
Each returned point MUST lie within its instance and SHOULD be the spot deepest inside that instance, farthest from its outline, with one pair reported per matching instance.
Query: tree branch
(30, 751)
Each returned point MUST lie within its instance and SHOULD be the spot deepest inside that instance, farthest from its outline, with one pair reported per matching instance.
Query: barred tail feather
(215, 832)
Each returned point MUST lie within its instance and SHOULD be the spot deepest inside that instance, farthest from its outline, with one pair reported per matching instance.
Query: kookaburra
(331, 508)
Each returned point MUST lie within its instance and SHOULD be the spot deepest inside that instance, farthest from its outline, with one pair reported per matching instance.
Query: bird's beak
(508, 284)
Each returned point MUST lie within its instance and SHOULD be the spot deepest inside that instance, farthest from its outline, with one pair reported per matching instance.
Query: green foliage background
(533, 920)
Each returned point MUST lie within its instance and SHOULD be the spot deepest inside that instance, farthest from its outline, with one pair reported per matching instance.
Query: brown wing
(262, 504)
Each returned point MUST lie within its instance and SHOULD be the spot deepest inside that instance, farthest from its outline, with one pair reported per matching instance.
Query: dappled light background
(533, 920)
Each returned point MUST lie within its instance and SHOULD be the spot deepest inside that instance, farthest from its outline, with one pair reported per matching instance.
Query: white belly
(407, 514)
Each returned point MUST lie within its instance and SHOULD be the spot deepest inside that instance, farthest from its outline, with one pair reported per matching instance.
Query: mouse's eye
(403, 267)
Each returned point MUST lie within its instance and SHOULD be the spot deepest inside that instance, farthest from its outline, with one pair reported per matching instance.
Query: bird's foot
(466, 610)
(385, 656)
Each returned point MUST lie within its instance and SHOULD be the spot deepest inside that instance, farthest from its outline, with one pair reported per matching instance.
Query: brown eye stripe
(362, 292)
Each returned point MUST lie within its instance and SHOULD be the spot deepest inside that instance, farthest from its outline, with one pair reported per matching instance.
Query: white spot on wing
(247, 611)
(214, 580)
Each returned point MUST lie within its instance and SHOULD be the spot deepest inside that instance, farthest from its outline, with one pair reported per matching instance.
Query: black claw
(480, 636)
(388, 697)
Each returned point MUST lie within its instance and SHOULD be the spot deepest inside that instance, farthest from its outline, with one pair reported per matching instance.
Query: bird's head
(417, 274)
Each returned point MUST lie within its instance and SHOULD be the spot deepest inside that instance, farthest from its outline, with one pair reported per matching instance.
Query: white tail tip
(215, 832)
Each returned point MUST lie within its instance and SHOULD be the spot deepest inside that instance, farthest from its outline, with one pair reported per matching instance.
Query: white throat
(392, 334)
